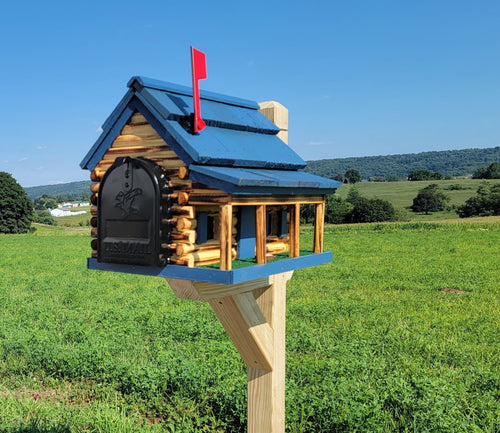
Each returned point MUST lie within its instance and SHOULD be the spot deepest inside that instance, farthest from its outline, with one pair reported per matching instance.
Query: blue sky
(359, 77)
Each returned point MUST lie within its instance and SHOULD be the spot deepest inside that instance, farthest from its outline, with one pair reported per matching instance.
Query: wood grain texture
(247, 328)
(225, 235)
(319, 227)
(260, 234)
(295, 230)
(266, 389)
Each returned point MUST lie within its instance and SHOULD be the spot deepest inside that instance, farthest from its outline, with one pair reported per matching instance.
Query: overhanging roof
(235, 180)
(237, 134)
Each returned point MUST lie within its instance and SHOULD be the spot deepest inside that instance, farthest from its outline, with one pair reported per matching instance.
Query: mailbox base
(253, 314)
(216, 275)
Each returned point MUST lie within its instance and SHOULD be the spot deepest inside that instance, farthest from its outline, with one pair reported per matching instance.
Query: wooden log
(171, 163)
(94, 254)
(182, 249)
(185, 211)
(181, 198)
(93, 244)
(93, 221)
(137, 119)
(186, 224)
(319, 227)
(112, 154)
(93, 232)
(260, 234)
(94, 187)
(188, 236)
(124, 141)
(202, 199)
(93, 210)
(141, 130)
(181, 262)
(202, 256)
(183, 172)
(170, 247)
(276, 247)
(181, 184)
(94, 177)
(93, 199)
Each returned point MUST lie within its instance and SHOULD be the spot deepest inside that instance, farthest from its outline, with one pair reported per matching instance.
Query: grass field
(398, 334)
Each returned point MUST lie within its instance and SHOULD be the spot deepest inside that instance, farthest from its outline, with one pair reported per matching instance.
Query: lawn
(399, 333)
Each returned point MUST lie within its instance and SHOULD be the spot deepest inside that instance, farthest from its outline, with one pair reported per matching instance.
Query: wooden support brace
(253, 314)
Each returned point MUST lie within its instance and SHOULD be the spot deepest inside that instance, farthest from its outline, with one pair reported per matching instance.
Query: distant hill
(452, 162)
(74, 189)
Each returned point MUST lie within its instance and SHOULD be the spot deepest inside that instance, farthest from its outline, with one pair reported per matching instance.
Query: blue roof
(237, 134)
(236, 180)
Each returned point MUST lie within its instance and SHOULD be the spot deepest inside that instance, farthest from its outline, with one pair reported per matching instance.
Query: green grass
(401, 194)
(373, 344)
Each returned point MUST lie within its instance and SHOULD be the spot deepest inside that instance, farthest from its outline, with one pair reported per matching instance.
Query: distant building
(60, 212)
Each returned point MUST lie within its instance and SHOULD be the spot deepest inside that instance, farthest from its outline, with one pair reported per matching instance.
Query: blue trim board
(215, 275)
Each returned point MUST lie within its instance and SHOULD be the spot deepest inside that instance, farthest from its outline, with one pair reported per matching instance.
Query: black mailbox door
(130, 207)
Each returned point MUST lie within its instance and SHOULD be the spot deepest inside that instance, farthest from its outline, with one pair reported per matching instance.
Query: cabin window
(206, 225)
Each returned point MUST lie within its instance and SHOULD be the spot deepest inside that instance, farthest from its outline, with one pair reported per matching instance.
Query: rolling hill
(450, 162)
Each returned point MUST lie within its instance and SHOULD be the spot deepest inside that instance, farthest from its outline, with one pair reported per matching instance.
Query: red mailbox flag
(199, 69)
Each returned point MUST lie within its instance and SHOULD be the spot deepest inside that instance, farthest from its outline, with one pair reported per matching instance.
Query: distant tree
(338, 177)
(486, 202)
(352, 176)
(392, 178)
(479, 173)
(353, 195)
(372, 210)
(492, 172)
(337, 210)
(429, 199)
(422, 174)
(16, 209)
(307, 213)
(45, 202)
(44, 217)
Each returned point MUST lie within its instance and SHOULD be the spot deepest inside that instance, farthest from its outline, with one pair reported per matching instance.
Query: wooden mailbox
(216, 213)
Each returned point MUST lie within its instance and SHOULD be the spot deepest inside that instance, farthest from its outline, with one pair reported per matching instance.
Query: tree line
(397, 167)
(17, 211)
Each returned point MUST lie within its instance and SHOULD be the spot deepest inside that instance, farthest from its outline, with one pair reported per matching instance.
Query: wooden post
(260, 234)
(319, 227)
(266, 389)
(295, 230)
(253, 314)
(226, 226)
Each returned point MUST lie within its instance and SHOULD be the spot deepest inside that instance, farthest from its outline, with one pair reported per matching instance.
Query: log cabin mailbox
(215, 212)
